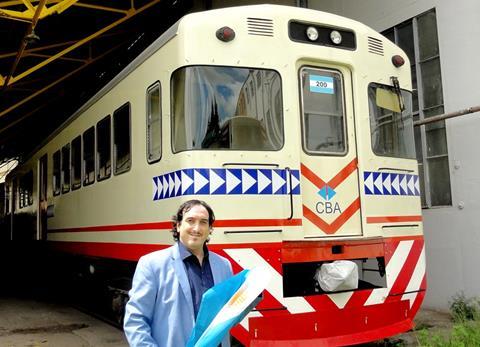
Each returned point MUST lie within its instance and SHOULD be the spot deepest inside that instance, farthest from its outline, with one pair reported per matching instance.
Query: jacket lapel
(182, 276)
(216, 268)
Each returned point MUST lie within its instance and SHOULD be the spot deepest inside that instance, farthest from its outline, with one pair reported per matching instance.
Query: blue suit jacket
(160, 309)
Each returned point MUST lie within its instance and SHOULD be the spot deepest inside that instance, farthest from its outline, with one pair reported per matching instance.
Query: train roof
(193, 19)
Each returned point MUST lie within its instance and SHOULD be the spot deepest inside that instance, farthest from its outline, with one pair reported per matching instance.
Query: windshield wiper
(398, 92)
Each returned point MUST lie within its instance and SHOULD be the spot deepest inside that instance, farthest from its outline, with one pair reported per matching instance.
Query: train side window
(65, 174)
(20, 193)
(56, 173)
(391, 125)
(154, 124)
(7, 198)
(76, 166)
(324, 126)
(29, 187)
(25, 188)
(121, 139)
(2, 202)
(89, 156)
(104, 163)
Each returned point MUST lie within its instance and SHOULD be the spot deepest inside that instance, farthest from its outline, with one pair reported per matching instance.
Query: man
(168, 285)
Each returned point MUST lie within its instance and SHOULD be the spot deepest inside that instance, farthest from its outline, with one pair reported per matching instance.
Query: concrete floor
(32, 323)
(33, 314)
(26, 322)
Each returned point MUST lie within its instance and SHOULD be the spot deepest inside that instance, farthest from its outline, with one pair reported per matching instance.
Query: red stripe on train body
(372, 312)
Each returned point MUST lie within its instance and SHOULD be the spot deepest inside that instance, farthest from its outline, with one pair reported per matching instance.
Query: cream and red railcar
(294, 124)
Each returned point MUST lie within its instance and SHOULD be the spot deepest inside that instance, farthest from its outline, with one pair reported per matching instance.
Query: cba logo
(327, 206)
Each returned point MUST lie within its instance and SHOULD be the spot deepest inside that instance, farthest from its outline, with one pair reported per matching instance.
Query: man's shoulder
(157, 257)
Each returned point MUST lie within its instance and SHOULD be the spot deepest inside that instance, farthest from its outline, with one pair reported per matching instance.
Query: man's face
(194, 228)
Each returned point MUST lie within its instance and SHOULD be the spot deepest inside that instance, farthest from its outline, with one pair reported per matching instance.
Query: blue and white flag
(225, 305)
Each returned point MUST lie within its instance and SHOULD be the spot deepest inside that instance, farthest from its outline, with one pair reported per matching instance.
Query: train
(295, 125)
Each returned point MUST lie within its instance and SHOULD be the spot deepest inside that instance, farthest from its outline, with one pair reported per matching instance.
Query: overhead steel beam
(20, 103)
(101, 8)
(40, 55)
(27, 82)
(23, 44)
(29, 6)
(10, 3)
(130, 13)
(31, 11)
(6, 4)
(31, 53)
(53, 45)
(26, 15)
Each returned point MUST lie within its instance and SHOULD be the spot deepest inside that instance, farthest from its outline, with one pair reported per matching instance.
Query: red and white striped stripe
(405, 271)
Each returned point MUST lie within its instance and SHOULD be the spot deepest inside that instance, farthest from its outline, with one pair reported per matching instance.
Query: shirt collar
(185, 253)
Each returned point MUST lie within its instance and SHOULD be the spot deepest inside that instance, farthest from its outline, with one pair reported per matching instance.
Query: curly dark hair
(185, 207)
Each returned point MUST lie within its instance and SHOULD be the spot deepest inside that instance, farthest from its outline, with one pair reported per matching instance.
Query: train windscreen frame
(323, 111)
(391, 124)
(226, 108)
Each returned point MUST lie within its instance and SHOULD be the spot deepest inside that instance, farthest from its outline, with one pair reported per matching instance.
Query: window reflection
(226, 108)
(323, 114)
(392, 131)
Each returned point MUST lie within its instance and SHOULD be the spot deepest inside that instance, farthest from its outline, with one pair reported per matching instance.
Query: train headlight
(336, 37)
(312, 33)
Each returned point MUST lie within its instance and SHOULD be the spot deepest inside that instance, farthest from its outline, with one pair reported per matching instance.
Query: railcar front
(297, 126)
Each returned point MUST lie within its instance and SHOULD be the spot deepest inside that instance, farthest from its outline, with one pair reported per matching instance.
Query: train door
(42, 198)
(14, 207)
(329, 173)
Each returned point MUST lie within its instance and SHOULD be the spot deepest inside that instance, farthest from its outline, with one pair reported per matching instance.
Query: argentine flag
(225, 305)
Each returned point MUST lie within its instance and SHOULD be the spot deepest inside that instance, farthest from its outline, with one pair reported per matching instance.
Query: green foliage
(466, 330)
(463, 309)
(429, 339)
(466, 334)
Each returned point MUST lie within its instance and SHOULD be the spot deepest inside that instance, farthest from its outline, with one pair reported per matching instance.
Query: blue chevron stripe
(220, 181)
(391, 184)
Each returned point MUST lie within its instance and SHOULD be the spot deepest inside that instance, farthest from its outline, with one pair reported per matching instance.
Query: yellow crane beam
(101, 8)
(23, 45)
(40, 55)
(61, 6)
(31, 10)
(38, 49)
(129, 14)
(50, 46)
(44, 89)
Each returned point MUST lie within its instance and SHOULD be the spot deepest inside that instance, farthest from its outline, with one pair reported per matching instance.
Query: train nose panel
(329, 172)
(331, 207)
(321, 328)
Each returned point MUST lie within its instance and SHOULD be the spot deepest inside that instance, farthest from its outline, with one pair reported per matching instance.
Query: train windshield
(323, 111)
(391, 123)
(226, 108)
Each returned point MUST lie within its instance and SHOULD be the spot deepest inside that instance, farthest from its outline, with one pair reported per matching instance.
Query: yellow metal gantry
(36, 10)
(30, 9)
(58, 7)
